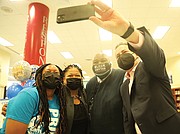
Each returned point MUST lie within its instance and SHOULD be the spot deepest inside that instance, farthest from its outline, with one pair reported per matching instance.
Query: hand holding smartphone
(75, 13)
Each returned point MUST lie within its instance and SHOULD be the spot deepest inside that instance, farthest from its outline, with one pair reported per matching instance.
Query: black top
(106, 113)
(80, 122)
(71, 111)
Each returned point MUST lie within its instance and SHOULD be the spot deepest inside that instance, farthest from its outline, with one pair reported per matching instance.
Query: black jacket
(106, 113)
(70, 107)
(151, 104)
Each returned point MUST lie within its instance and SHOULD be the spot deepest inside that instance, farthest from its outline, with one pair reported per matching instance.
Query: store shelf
(176, 94)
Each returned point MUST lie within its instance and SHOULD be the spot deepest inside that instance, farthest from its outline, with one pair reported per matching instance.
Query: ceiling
(81, 37)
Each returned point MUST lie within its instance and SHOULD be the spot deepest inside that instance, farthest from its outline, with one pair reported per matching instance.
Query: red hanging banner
(36, 36)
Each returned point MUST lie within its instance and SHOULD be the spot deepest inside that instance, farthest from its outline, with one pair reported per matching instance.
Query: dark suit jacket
(151, 104)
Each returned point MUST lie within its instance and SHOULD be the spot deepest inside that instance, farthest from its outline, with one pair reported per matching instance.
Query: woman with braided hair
(77, 109)
(41, 108)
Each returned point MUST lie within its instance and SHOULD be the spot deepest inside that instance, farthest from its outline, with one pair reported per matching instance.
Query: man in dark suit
(149, 107)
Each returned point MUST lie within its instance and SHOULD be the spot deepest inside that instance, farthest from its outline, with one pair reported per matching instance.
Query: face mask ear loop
(110, 63)
(136, 56)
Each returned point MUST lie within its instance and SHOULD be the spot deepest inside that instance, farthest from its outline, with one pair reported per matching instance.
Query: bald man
(103, 93)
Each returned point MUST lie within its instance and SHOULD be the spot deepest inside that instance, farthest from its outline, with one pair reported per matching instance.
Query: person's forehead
(51, 67)
(121, 48)
(100, 57)
(72, 71)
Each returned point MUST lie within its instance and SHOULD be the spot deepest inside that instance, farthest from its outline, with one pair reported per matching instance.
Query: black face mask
(102, 70)
(51, 80)
(74, 83)
(126, 61)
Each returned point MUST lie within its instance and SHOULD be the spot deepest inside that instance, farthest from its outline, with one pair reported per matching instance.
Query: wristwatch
(129, 31)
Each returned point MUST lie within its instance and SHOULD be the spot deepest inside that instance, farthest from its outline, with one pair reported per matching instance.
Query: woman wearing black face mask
(41, 108)
(77, 109)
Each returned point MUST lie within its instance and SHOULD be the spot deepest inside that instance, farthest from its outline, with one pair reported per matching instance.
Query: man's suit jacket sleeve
(152, 55)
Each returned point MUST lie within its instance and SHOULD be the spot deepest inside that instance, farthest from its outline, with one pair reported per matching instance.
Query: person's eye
(95, 62)
(104, 60)
(70, 76)
(78, 75)
(56, 72)
(118, 55)
(47, 71)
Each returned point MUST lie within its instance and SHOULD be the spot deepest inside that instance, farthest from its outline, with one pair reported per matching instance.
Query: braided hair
(73, 66)
(44, 105)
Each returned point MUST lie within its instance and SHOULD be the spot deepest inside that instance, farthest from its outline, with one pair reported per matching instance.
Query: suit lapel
(125, 93)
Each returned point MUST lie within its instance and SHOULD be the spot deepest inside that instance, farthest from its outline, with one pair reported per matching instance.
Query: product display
(176, 94)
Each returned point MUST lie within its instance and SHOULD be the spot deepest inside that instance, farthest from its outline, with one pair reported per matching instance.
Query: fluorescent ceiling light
(4, 42)
(53, 38)
(105, 35)
(175, 3)
(67, 55)
(107, 52)
(160, 32)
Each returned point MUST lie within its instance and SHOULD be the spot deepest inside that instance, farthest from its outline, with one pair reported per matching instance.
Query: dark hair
(121, 43)
(72, 66)
(44, 106)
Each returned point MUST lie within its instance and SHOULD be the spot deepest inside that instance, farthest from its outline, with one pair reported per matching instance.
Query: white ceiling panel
(81, 38)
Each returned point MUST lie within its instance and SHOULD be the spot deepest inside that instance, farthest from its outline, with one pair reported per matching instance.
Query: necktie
(126, 97)
(127, 106)
(126, 88)
(125, 93)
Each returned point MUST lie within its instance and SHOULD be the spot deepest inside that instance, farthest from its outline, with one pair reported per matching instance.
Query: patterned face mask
(102, 70)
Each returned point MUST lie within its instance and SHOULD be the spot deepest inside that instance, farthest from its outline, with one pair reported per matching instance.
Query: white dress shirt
(131, 77)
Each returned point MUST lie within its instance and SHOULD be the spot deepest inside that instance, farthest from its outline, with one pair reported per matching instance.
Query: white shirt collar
(100, 81)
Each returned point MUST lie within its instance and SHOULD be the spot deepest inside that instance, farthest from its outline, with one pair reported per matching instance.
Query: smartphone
(75, 13)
